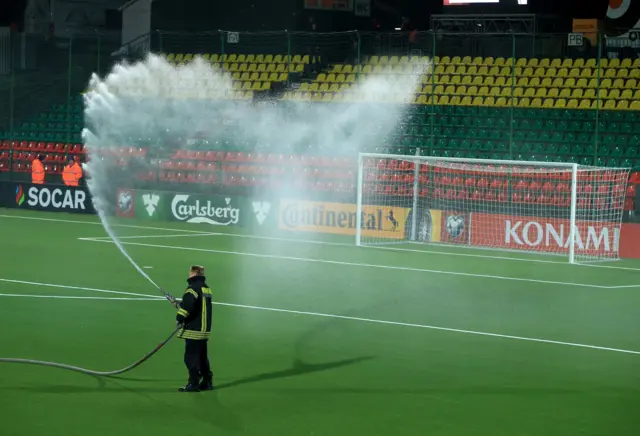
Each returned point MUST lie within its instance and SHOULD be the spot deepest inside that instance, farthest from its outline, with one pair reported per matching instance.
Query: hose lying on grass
(89, 371)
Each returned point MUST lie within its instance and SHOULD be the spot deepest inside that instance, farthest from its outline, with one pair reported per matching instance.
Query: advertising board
(46, 197)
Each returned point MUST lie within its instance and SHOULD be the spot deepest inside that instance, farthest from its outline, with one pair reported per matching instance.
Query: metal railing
(517, 90)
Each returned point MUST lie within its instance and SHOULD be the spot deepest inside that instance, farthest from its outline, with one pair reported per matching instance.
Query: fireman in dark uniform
(194, 313)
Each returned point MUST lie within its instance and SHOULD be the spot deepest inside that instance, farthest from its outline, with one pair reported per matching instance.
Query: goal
(532, 207)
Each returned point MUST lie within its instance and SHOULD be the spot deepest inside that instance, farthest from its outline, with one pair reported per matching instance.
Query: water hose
(89, 371)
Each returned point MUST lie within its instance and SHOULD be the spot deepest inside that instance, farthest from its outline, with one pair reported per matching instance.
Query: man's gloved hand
(172, 300)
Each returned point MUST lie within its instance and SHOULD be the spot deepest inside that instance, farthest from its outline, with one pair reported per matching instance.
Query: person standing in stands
(72, 173)
(37, 170)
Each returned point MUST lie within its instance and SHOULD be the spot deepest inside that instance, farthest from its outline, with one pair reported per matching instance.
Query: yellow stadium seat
(321, 78)
(573, 103)
(445, 60)
(427, 89)
(585, 104)
(522, 102)
(394, 60)
(283, 77)
(578, 63)
(324, 87)
(535, 81)
(488, 81)
(243, 67)
(590, 63)
(238, 85)
(506, 71)
(547, 82)
(521, 62)
(563, 72)
(262, 68)
(467, 60)
(187, 58)
(539, 72)
(456, 80)
(586, 72)
(351, 78)
(499, 62)
(635, 73)
(348, 69)
(536, 102)
(614, 93)
(553, 92)
(533, 62)
(264, 77)
(560, 103)
(610, 72)
(574, 72)
(327, 97)
(374, 60)
(456, 60)
(462, 90)
(449, 90)
(483, 91)
(555, 63)
(271, 68)
(518, 92)
(494, 71)
(551, 72)
(614, 63)
(255, 77)
(252, 67)
(544, 63)
(500, 81)
(494, 91)
(477, 101)
(455, 100)
(592, 83)
(268, 59)
(630, 83)
(225, 66)
(530, 92)
(241, 58)
(245, 77)
(635, 105)
(467, 80)
(368, 69)
(340, 78)
(305, 60)
(478, 61)
(622, 72)
(565, 93)
(334, 87)
(541, 92)
(230, 57)
(483, 71)
(548, 103)
(313, 87)
(569, 82)
(582, 83)
(506, 91)
(256, 86)
(557, 82)
(567, 63)
(622, 105)
(236, 75)
(488, 61)
(606, 83)
(626, 94)
(281, 68)
(589, 93)
(461, 69)
(609, 104)
(626, 63)
(404, 60)
(384, 60)
(522, 81)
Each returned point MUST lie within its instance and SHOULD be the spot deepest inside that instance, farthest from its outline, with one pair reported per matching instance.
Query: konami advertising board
(543, 234)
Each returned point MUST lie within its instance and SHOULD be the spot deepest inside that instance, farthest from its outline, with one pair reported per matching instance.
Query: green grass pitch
(319, 338)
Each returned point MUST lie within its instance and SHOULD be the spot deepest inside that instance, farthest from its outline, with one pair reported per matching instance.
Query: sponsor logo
(150, 203)
(125, 202)
(341, 218)
(57, 198)
(19, 195)
(206, 212)
(261, 210)
(455, 226)
(534, 234)
(544, 234)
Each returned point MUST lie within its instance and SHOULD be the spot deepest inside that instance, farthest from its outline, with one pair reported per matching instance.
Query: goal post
(524, 206)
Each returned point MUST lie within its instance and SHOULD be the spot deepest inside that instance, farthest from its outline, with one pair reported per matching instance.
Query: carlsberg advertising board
(218, 210)
(221, 211)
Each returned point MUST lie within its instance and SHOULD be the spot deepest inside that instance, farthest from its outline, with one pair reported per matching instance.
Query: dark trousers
(197, 361)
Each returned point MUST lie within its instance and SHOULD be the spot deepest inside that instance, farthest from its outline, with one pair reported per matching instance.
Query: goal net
(492, 204)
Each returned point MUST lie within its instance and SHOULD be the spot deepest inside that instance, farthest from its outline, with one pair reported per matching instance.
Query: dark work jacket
(195, 310)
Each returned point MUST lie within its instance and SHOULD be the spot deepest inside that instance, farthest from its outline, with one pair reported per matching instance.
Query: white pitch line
(181, 235)
(384, 322)
(363, 265)
(430, 327)
(308, 241)
(76, 297)
(79, 288)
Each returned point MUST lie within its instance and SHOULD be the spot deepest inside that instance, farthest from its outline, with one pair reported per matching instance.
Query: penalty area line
(431, 327)
(356, 264)
(371, 321)
(81, 297)
(81, 288)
